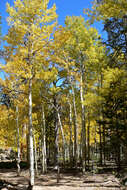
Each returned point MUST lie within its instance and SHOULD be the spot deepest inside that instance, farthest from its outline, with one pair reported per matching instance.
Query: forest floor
(68, 181)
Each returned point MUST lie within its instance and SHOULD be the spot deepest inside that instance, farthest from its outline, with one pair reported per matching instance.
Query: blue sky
(64, 8)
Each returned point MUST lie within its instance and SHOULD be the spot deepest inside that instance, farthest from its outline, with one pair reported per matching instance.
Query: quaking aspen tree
(80, 58)
(105, 9)
(30, 26)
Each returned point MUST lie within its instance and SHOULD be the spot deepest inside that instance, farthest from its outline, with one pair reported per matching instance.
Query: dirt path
(67, 181)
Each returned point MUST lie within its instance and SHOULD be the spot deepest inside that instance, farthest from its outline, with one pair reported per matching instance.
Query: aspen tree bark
(44, 154)
(83, 122)
(63, 138)
(100, 135)
(56, 134)
(101, 81)
(100, 130)
(75, 129)
(88, 139)
(56, 146)
(75, 123)
(104, 143)
(18, 142)
(57, 152)
(31, 152)
(70, 128)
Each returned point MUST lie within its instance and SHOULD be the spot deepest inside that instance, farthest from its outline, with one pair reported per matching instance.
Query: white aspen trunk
(56, 128)
(18, 142)
(100, 135)
(35, 155)
(75, 123)
(104, 144)
(57, 152)
(83, 124)
(101, 81)
(88, 139)
(70, 127)
(63, 138)
(75, 129)
(100, 130)
(31, 151)
(56, 147)
(44, 161)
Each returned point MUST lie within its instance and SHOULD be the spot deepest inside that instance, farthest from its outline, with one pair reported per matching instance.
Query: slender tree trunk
(75, 129)
(63, 138)
(31, 152)
(56, 147)
(99, 115)
(104, 142)
(83, 123)
(57, 152)
(44, 163)
(103, 146)
(75, 122)
(18, 142)
(88, 139)
(100, 134)
(70, 128)
(95, 141)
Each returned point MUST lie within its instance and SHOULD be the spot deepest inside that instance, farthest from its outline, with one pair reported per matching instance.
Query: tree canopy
(63, 100)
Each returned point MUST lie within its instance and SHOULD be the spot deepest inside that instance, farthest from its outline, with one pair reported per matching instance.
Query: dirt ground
(67, 181)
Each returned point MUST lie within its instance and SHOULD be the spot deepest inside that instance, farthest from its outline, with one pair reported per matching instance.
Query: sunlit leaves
(106, 9)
